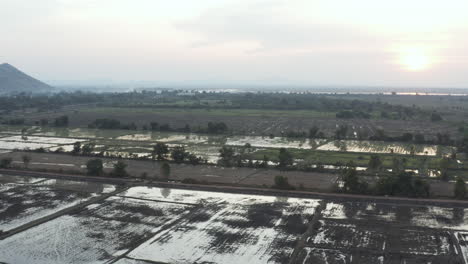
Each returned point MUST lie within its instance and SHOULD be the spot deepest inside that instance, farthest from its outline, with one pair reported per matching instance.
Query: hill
(13, 80)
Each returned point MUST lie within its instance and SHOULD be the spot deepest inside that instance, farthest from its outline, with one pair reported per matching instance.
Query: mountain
(13, 80)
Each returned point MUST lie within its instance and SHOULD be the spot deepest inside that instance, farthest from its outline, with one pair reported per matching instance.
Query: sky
(421, 43)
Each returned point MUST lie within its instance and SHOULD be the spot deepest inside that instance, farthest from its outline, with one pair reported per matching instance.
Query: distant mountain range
(13, 80)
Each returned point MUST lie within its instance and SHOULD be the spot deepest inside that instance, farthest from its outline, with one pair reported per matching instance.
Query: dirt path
(245, 190)
(309, 232)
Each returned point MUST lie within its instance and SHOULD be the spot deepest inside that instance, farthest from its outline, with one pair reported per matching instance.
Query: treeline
(211, 127)
(49, 102)
(291, 101)
(397, 184)
(352, 114)
(61, 121)
(287, 101)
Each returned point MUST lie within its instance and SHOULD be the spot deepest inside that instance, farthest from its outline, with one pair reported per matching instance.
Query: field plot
(276, 142)
(97, 234)
(22, 203)
(86, 133)
(35, 142)
(385, 147)
(420, 216)
(385, 233)
(230, 228)
(144, 225)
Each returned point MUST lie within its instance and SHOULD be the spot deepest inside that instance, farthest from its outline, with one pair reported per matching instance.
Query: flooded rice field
(128, 142)
(364, 146)
(144, 224)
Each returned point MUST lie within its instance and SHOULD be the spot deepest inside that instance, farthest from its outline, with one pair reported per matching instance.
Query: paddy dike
(136, 223)
(206, 174)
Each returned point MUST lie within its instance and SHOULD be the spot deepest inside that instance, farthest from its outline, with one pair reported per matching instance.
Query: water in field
(35, 142)
(385, 147)
(274, 142)
(237, 141)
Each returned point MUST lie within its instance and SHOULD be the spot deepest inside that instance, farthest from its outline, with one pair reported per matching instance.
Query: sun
(415, 59)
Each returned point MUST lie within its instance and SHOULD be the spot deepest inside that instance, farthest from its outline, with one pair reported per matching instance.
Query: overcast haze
(297, 42)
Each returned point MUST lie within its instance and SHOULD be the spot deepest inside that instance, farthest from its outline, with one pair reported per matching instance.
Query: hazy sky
(298, 42)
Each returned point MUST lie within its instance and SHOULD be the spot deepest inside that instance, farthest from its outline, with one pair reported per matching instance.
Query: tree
(407, 137)
(194, 160)
(226, 155)
(421, 188)
(87, 149)
(398, 165)
(217, 128)
(165, 170)
(351, 182)
(26, 160)
(375, 163)
(282, 183)
(403, 184)
(265, 162)
(460, 188)
(285, 158)
(76, 148)
(160, 150)
(61, 121)
(94, 167)
(179, 154)
(444, 164)
(5, 163)
(120, 169)
(313, 132)
(435, 117)
(154, 126)
(341, 132)
(419, 138)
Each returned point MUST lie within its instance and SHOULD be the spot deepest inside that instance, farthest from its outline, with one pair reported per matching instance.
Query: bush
(282, 183)
(435, 117)
(160, 150)
(5, 163)
(285, 158)
(61, 121)
(460, 189)
(120, 169)
(165, 170)
(190, 181)
(351, 181)
(26, 160)
(402, 184)
(179, 154)
(94, 167)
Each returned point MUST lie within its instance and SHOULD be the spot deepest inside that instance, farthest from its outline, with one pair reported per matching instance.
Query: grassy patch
(213, 112)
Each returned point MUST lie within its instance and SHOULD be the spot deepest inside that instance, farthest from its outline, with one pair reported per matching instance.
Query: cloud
(266, 25)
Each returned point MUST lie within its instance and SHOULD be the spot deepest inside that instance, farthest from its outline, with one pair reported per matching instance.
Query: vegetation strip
(248, 190)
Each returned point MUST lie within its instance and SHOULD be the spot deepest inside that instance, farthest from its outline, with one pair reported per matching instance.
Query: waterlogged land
(138, 144)
(144, 224)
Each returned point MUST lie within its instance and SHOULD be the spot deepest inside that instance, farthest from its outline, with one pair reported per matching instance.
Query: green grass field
(212, 112)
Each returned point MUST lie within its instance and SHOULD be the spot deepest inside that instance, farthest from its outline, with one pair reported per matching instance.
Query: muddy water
(385, 147)
(254, 141)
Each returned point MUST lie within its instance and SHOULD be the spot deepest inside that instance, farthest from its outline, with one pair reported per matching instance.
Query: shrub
(165, 170)
(94, 167)
(282, 183)
(120, 169)
(5, 163)
(460, 189)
